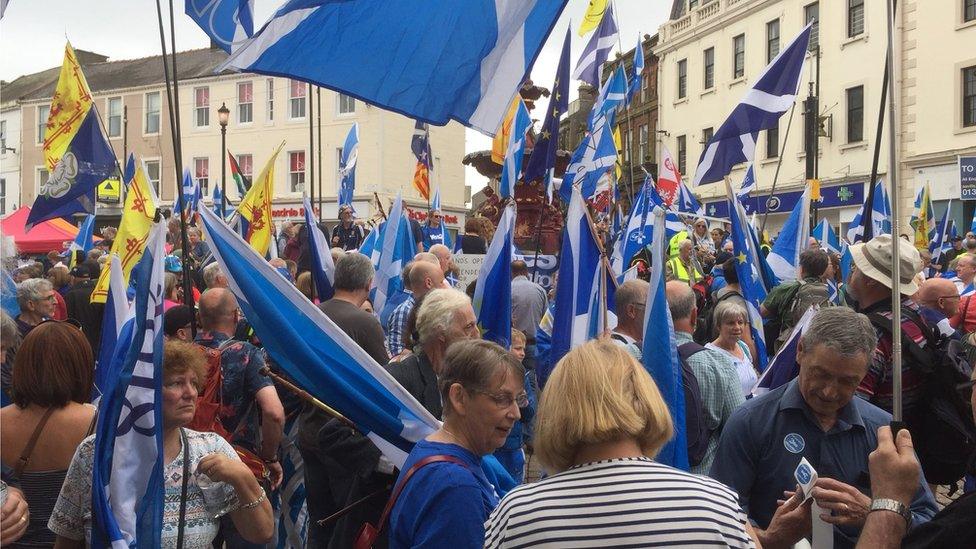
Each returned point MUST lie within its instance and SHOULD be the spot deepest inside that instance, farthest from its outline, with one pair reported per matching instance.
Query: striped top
(626, 502)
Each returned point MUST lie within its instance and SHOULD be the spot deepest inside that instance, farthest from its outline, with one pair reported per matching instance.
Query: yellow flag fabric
(499, 144)
(130, 242)
(255, 208)
(923, 224)
(70, 103)
(594, 13)
(618, 144)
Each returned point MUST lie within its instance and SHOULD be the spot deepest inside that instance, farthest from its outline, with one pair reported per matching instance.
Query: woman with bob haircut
(51, 385)
(732, 322)
(599, 424)
(444, 502)
(214, 479)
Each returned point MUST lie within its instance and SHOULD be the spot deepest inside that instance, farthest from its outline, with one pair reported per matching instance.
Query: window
(43, 111)
(338, 165)
(642, 143)
(114, 116)
(628, 143)
(347, 104)
(772, 39)
(707, 134)
(969, 96)
(3, 195)
(296, 171)
(245, 103)
(296, 98)
(772, 142)
(151, 122)
(739, 56)
(152, 174)
(969, 10)
(682, 153)
(42, 177)
(271, 100)
(692, 4)
(201, 107)
(682, 78)
(201, 172)
(246, 163)
(708, 60)
(855, 114)
(3, 137)
(855, 17)
(811, 12)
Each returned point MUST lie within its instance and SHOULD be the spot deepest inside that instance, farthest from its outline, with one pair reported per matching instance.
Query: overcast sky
(32, 36)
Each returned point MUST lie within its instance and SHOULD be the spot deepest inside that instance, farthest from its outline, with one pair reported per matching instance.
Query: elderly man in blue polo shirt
(815, 417)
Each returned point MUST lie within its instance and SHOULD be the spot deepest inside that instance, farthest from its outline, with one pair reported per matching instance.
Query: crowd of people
(592, 431)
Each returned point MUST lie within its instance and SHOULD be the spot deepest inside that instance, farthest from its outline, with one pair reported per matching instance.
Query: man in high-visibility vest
(684, 267)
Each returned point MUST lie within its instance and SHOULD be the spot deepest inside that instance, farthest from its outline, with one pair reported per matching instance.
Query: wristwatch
(885, 504)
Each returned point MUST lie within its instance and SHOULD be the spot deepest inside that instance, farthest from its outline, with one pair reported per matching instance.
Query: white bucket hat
(873, 258)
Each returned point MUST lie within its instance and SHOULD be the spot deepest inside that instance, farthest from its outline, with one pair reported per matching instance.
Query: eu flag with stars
(542, 161)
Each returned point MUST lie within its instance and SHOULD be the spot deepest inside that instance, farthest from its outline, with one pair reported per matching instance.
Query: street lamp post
(223, 113)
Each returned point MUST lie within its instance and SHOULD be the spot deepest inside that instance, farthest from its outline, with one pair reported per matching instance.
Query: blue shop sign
(837, 196)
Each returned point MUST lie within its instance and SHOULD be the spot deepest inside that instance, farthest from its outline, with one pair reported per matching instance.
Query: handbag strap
(186, 474)
(406, 478)
(31, 442)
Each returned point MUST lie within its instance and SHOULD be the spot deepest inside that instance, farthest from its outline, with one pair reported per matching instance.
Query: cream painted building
(710, 52)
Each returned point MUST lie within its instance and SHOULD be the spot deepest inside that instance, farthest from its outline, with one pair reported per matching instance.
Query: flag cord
(779, 163)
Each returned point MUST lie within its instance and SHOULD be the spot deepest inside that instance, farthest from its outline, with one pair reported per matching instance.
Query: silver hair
(436, 312)
(632, 292)
(32, 290)
(730, 310)
(682, 305)
(210, 274)
(353, 272)
(841, 329)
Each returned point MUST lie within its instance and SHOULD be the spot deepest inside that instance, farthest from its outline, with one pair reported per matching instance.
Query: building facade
(709, 52)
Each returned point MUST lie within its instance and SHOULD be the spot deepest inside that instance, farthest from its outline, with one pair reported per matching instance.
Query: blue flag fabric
(593, 158)
(8, 294)
(71, 188)
(113, 318)
(825, 234)
(972, 224)
(436, 61)
(542, 161)
(880, 217)
(638, 76)
(783, 367)
(597, 50)
(127, 477)
(942, 239)
(83, 240)
(323, 269)
(395, 248)
(686, 202)
(660, 356)
(219, 207)
(784, 258)
(637, 233)
(228, 23)
(772, 95)
(613, 94)
(493, 293)
(748, 267)
(289, 501)
(347, 166)
(512, 165)
(748, 183)
(191, 194)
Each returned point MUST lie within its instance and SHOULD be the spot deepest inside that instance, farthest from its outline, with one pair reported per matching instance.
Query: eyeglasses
(48, 298)
(504, 400)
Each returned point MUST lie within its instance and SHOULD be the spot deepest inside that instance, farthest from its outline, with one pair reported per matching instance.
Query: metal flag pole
(779, 163)
(896, 355)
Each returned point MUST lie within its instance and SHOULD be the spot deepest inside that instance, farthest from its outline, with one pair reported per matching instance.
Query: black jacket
(417, 376)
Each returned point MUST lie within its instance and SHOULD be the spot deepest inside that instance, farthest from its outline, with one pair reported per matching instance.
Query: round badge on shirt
(794, 443)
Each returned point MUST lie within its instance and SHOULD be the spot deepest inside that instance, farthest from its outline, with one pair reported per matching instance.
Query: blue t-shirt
(444, 504)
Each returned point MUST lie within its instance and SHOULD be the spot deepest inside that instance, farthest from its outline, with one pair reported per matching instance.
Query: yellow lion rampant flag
(594, 13)
(137, 220)
(255, 208)
(70, 103)
(499, 145)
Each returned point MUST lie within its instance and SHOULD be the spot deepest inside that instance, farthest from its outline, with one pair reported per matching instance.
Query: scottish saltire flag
(748, 266)
(191, 194)
(686, 202)
(8, 294)
(659, 351)
(347, 165)
(672, 222)
(748, 183)
(114, 316)
(435, 61)
(635, 80)
(637, 232)
(879, 215)
(793, 239)
(833, 291)
(542, 161)
(228, 23)
(127, 477)
(83, 241)
(590, 64)
(219, 207)
(512, 165)
(396, 248)
(323, 269)
(368, 247)
(493, 293)
(772, 95)
(783, 367)
(612, 95)
(826, 236)
(580, 272)
(291, 513)
(942, 239)
(593, 158)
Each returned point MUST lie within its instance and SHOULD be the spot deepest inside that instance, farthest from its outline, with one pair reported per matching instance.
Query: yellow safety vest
(675, 243)
(681, 273)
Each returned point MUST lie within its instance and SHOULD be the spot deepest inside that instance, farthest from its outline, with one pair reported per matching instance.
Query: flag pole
(896, 350)
(318, 114)
(779, 163)
(626, 144)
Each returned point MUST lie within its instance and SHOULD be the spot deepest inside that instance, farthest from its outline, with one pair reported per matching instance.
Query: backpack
(698, 434)
(206, 418)
(806, 295)
(942, 428)
(705, 326)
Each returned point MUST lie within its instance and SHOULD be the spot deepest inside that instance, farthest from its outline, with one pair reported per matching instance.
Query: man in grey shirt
(529, 303)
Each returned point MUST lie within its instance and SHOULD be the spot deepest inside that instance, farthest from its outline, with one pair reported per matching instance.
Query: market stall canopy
(55, 234)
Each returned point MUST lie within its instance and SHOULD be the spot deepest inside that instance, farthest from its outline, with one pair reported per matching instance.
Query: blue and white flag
(113, 318)
(880, 215)
(638, 231)
(783, 367)
(219, 206)
(8, 294)
(749, 268)
(672, 222)
(323, 269)
(580, 272)
(83, 241)
(613, 94)
(638, 77)
(542, 161)
(127, 477)
(748, 183)
(191, 194)
(593, 158)
(435, 202)
(347, 166)
(512, 165)
(228, 23)
(396, 248)
(793, 239)
(590, 64)
(833, 291)
(291, 512)
(493, 293)
(942, 241)
(686, 202)
(826, 236)
(772, 95)
(972, 224)
(435, 61)
(660, 356)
